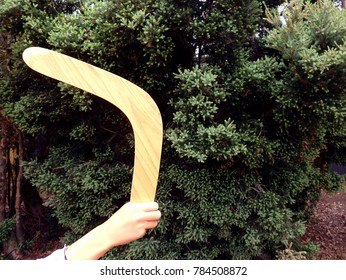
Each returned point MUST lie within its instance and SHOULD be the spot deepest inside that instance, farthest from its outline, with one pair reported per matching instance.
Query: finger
(143, 206)
(151, 224)
(152, 216)
(149, 206)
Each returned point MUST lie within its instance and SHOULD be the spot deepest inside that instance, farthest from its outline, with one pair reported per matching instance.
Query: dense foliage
(253, 111)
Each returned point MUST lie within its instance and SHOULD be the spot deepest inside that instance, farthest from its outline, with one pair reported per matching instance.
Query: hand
(131, 222)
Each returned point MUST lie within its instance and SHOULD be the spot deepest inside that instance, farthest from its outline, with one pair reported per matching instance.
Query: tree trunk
(343, 4)
(11, 174)
(18, 204)
(2, 175)
(11, 179)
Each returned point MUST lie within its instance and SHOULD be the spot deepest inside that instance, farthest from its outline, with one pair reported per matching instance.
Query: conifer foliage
(253, 104)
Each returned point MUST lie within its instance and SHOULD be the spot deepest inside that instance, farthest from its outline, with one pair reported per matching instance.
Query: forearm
(91, 246)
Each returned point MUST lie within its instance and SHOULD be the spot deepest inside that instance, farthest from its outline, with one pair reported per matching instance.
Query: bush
(253, 113)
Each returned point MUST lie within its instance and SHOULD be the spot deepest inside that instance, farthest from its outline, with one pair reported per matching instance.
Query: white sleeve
(58, 255)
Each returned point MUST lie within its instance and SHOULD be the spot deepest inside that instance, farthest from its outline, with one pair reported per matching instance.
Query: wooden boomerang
(133, 101)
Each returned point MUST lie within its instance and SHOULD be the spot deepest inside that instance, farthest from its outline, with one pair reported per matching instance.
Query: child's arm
(129, 223)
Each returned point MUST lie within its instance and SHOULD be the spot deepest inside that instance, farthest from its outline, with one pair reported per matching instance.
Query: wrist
(105, 237)
(91, 246)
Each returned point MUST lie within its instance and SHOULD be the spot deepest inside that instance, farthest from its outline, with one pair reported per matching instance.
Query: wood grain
(133, 101)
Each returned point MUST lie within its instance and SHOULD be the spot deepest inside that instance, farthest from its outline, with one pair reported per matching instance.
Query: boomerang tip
(30, 53)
